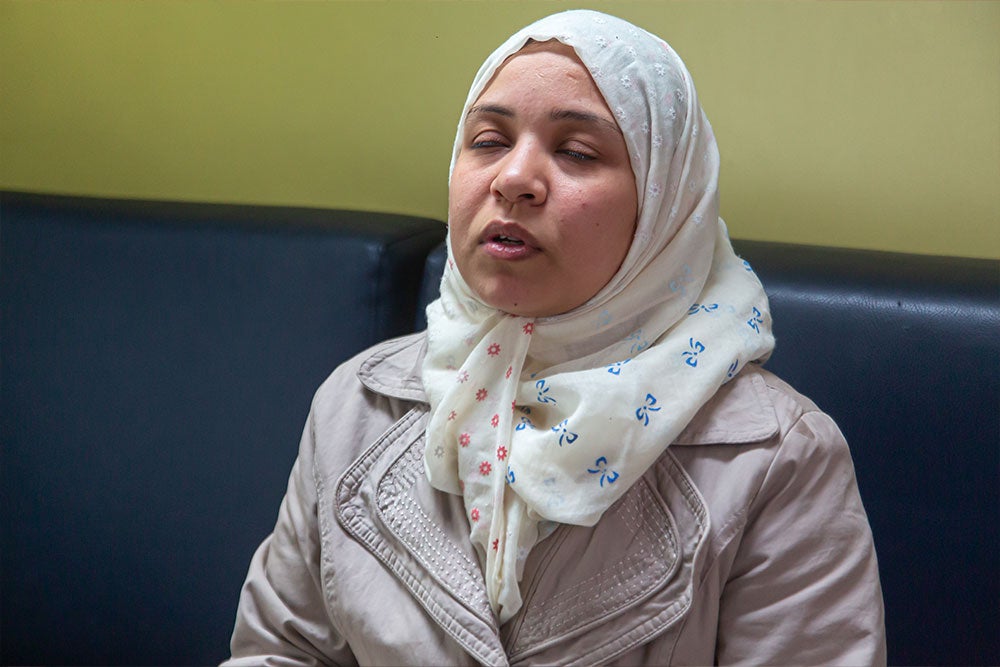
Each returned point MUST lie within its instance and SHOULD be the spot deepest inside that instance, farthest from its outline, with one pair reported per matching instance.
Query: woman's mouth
(508, 241)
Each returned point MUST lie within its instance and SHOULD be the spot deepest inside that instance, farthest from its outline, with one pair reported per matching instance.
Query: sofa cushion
(158, 363)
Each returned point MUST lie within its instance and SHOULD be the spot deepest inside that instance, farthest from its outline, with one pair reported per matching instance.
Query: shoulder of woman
(368, 392)
(390, 368)
(754, 407)
(362, 399)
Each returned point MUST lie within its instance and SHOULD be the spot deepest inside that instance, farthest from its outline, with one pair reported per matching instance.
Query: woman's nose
(521, 175)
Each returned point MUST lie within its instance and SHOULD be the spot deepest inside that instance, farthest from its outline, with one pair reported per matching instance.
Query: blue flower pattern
(523, 424)
(691, 356)
(682, 280)
(562, 428)
(601, 468)
(543, 389)
(640, 344)
(642, 412)
(616, 368)
(702, 308)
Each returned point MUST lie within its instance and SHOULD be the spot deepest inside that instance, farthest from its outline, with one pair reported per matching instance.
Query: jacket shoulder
(391, 367)
(361, 399)
(756, 406)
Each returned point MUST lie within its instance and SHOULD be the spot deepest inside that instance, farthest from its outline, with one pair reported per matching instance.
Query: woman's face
(542, 205)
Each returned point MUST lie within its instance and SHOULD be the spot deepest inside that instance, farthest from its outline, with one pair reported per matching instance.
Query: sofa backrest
(158, 361)
(904, 352)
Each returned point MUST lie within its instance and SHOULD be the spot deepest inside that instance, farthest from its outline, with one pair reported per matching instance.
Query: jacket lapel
(385, 502)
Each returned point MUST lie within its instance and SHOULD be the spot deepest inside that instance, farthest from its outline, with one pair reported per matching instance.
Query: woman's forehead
(542, 67)
(533, 47)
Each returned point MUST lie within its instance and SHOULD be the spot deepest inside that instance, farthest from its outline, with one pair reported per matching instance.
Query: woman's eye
(577, 155)
(487, 140)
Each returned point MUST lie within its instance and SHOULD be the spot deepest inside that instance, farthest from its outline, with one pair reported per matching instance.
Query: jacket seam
(745, 512)
(323, 521)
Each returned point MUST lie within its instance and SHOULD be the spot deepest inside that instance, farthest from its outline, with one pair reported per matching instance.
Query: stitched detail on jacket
(663, 621)
(352, 516)
(423, 536)
(634, 575)
(640, 635)
(691, 494)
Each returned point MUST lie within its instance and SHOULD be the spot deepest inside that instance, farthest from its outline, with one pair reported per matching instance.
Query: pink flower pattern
(495, 421)
(481, 395)
(493, 350)
(501, 452)
(464, 439)
(485, 468)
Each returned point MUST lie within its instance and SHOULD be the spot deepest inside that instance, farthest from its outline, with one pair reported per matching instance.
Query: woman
(581, 461)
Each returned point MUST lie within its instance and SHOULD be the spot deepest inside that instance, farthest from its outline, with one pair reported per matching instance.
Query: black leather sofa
(157, 361)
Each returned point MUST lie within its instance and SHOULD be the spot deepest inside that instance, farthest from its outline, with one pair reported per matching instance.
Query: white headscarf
(552, 420)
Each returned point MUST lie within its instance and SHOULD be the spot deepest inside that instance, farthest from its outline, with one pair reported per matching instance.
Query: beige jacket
(745, 543)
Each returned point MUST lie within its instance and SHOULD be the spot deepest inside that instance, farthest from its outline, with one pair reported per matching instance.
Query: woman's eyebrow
(585, 117)
(555, 115)
(490, 109)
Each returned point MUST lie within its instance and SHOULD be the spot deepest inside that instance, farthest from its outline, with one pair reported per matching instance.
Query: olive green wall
(865, 124)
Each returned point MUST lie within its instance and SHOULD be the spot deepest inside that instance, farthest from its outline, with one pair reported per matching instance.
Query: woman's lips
(508, 240)
(508, 251)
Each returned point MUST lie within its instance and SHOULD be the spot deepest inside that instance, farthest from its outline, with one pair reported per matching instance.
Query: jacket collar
(740, 412)
(394, 368)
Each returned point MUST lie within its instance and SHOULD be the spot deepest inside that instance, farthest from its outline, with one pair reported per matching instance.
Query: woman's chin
(528, 306)
(512, 304)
